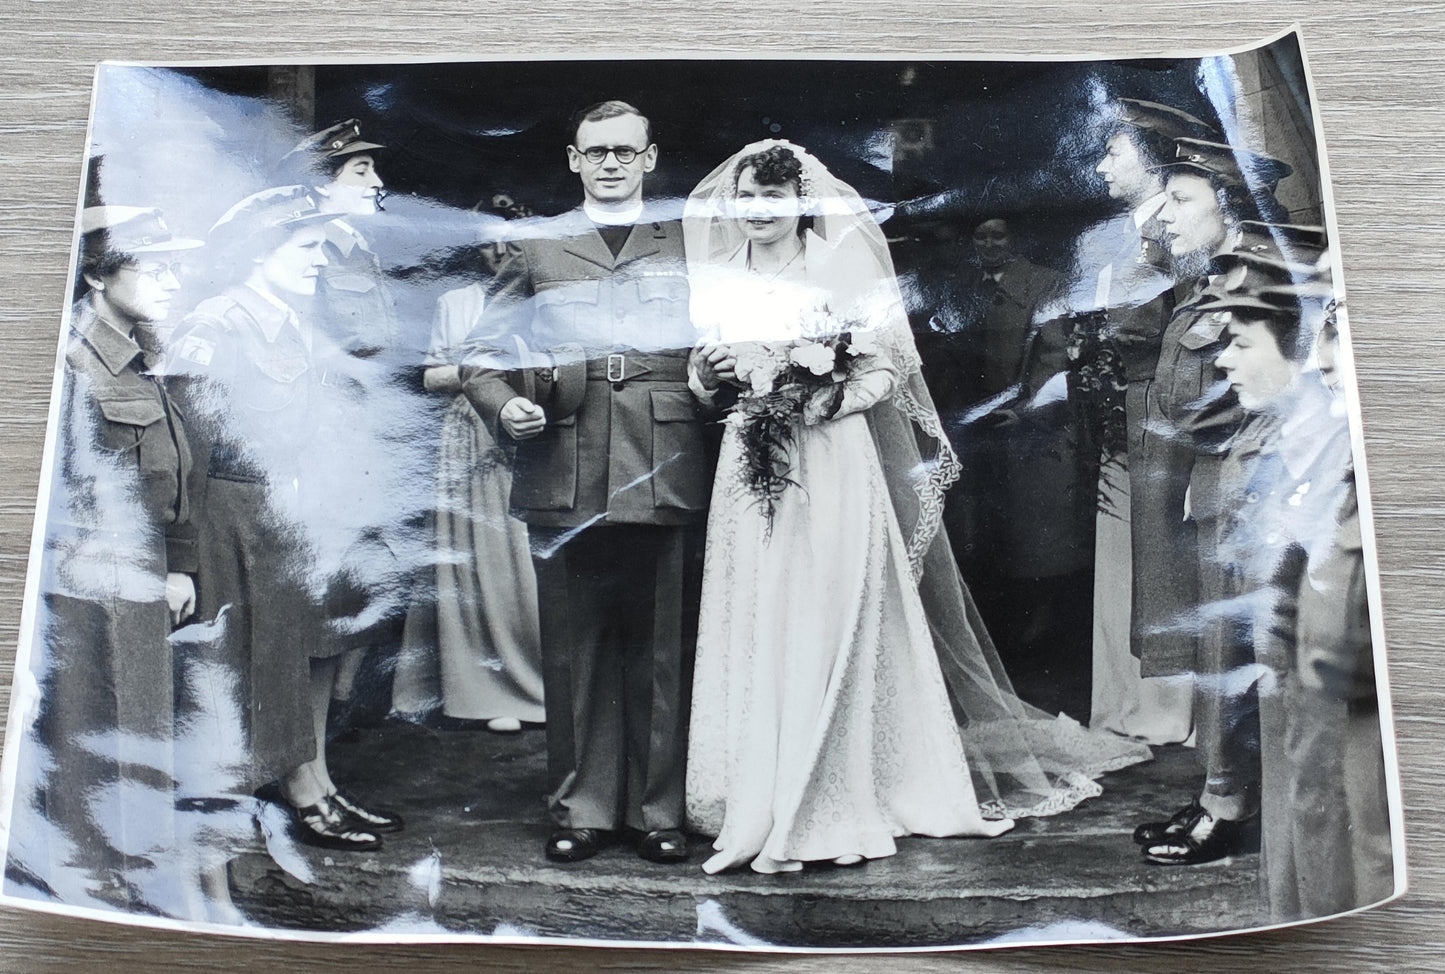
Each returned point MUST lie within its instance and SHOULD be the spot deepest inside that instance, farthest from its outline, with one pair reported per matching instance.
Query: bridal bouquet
(784, 382)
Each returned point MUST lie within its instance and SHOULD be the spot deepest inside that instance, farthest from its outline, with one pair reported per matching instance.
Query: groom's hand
(720, 361)
(522, 419)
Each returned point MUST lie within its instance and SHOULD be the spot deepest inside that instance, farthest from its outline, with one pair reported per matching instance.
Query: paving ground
(470, 861)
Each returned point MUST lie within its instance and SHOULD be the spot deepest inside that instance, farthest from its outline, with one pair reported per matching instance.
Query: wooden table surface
(1378, 72)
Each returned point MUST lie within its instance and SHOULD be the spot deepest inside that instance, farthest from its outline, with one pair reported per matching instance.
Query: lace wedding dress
(845, 690)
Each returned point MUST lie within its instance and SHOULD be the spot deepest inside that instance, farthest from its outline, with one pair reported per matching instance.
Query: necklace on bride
(771, 276)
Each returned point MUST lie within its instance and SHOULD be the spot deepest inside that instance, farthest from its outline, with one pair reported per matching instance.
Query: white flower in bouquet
(863, 342)
(816, 357)
(817, 324)
(758, 366)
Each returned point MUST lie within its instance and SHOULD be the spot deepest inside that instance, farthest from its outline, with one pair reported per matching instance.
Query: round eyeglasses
(597, 153)
(156, 271)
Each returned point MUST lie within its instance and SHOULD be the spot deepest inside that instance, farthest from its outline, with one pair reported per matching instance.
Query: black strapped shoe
(663, 845)
(379, 820)
(1209, 839)
(328, 826)
(574, 845)
(1151, 833)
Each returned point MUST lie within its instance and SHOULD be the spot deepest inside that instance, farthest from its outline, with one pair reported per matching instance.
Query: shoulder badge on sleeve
(196, 348)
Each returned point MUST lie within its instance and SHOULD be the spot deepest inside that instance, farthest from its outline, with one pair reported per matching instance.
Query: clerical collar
(613, 218)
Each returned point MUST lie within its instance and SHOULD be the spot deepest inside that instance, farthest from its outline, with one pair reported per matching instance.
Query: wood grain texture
(1378, 73)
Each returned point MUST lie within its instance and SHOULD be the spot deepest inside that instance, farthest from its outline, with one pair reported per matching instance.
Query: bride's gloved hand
(823, 404)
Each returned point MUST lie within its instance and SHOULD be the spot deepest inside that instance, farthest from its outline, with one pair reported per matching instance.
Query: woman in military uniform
(119, 560)
(365, 405)
(248, 360)
(1190, 415)
(1291, 544)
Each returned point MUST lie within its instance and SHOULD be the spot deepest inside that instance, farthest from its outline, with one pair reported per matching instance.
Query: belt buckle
(616, 368)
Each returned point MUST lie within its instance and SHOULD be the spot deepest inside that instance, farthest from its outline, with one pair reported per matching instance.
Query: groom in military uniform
(582, 360)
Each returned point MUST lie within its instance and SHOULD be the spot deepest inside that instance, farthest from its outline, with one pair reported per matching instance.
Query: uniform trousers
(616, 670)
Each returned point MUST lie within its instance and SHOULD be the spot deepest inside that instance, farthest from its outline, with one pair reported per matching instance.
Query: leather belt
(624, 367)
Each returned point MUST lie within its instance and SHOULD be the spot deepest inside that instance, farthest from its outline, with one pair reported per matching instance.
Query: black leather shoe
(378, 820)
(574, 845)
(663, 845)
(1152, 833)
(1209, 839)
(328, 826)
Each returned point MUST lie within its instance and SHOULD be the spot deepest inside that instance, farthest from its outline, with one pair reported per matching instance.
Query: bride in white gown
(838, 651)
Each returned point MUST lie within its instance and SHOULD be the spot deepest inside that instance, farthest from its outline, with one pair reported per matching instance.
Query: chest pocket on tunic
(567, 312)
(662, 288)
(352, 283)
(126, 422)
(354, 298)
(662, 321)
(279, 384)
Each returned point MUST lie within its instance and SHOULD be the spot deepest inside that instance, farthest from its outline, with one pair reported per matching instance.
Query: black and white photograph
(764, 504)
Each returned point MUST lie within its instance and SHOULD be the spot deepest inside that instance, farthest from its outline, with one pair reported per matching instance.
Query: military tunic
(1190, 412)
(1292, 547)
(119, 522)
(243, 361)
(359, 503)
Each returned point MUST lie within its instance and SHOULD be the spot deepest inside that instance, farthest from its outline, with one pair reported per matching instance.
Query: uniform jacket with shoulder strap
(245, 369)
(128, 417)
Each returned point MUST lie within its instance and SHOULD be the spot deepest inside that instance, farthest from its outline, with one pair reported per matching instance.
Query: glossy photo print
(791, 504)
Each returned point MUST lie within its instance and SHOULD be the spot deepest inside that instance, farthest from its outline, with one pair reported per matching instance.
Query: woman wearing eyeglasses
(119, 565)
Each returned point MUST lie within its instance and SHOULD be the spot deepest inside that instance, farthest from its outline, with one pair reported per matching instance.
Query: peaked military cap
(1278, 254)
(1226, 163)
(1266, 282)
(133, 230)
(1316, 288)
(336, 142)
(1262, 268)
(1246, 304)
(279, 208)
(1168, 122)
(1308, 237)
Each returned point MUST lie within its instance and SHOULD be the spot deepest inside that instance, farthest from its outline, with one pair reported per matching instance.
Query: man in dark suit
(1023, 509)
(610, 477)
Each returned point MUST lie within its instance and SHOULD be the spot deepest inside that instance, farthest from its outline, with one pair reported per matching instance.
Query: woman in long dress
(1120, 270)
(474, 649)
(822, 724)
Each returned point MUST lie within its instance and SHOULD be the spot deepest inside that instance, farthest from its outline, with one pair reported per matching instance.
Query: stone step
(470, 862)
